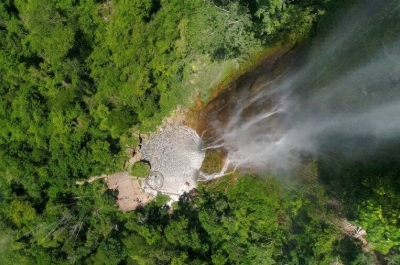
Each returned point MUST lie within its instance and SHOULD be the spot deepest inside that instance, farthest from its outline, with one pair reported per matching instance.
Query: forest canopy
(78, 79)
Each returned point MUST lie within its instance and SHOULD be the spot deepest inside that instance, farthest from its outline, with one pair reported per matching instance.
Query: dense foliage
(236, 221)
(245, 222)
(79, 78)
(369, 189)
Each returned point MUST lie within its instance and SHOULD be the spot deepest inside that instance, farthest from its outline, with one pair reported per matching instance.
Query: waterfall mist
(342, 95)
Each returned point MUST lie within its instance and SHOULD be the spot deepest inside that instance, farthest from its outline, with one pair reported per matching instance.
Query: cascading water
(345, 95)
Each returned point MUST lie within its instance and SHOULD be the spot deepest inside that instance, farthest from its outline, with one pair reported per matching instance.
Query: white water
(345, 96)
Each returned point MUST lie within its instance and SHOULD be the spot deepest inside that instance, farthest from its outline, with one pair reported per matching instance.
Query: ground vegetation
(79, 78)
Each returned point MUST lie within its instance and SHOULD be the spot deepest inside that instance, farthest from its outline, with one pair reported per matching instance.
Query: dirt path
(91, 179)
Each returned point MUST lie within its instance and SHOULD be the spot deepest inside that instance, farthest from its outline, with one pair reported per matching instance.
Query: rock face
(175, 155)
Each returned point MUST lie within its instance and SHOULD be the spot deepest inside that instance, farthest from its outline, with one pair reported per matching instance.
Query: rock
(176, 153)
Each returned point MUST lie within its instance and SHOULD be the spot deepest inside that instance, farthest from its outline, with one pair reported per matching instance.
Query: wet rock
(175, 155)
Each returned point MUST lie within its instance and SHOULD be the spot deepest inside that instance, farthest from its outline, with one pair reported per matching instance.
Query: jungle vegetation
(78, 79)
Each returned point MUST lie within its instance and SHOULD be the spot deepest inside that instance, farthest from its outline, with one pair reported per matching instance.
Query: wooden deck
(130, 195)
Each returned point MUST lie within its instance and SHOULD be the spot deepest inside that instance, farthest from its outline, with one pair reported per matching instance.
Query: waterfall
(343, 95)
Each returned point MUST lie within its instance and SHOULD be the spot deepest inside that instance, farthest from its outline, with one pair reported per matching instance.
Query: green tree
(21, 212)
(50, 34)
(140, 169)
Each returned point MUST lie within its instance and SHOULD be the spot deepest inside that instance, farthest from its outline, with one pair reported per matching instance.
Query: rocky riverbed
(175, 155)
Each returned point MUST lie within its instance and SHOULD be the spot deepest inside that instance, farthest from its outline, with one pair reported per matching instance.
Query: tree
(50, 34)
(21, 212)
